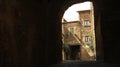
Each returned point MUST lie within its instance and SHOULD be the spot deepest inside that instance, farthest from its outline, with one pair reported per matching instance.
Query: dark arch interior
(30, 31)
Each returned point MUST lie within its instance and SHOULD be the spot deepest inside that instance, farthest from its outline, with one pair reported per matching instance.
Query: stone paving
(70, 63)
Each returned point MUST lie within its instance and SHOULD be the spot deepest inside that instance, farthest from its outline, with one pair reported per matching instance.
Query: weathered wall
(71, 38)
(25, 38)
(110, 31)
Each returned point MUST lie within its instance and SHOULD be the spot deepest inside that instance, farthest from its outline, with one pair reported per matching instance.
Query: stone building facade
(87, 30)
(79, 36)
(71, 39)
(71, 32)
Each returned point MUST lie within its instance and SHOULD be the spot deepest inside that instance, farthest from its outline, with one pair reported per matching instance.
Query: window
(87, 38)
(86, 23)
(71, 30)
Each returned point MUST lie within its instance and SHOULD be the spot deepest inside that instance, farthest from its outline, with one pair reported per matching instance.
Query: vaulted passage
(31, 33)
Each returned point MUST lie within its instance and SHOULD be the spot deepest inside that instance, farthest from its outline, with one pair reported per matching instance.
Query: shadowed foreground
(71, 63)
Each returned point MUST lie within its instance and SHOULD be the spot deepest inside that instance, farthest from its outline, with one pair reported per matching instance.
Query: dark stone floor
(71, 63)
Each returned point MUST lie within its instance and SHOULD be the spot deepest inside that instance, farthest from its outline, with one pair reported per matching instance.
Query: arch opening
(78, 33)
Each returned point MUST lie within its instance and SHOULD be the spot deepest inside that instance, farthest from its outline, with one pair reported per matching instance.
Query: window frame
(87, 23)
(87, 38)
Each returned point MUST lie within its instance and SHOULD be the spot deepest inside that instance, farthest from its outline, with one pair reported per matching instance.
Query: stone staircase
(87, 48)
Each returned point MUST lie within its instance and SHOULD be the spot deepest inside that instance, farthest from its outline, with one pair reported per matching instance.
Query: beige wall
(87, 30)
(71, 39)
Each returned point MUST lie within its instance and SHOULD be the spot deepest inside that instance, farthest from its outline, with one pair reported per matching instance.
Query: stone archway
(97, 12)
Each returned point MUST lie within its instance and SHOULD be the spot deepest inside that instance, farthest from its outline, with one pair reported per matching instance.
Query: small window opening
(87, 39)
(86, 23)
(71, 30)
(78, 35)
